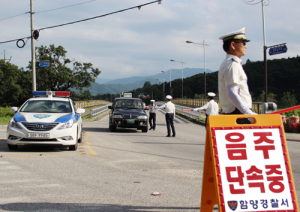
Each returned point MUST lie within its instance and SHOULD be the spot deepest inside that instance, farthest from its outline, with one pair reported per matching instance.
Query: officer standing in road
(234, 93)
(211, 107)
(152, 115)
(170, 115)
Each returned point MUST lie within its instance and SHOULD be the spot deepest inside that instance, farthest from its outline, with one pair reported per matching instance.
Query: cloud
(142, 42)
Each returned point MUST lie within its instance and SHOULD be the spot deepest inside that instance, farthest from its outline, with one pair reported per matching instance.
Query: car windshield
(47, 106)
(128, 104)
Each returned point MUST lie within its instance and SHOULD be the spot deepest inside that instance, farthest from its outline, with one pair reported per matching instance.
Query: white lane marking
(3, 181)
(9, 167)
(14, 199)
(3, 162)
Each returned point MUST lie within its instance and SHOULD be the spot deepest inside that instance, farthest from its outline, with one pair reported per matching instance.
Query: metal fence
(256, 106)
(192, 114)
(99, 110)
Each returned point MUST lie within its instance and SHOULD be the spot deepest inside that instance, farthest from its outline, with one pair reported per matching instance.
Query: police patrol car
(46, 119)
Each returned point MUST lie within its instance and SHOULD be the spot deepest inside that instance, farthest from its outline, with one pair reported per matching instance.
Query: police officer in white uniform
(234, 93)
(152, 115)
(211, 107)
(170, 115)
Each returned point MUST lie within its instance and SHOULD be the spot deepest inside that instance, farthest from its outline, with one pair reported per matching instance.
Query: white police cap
(169, 97)
(237, 35)
(211, 94)
(152, 100)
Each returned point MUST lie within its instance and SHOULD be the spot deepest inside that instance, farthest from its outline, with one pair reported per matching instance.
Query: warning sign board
(253, 169)
(250, 168)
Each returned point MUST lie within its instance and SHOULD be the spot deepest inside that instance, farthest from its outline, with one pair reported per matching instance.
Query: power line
(100, 16)
(252, 2)
(48, 10)
(74, 22)
(64, 7)
(12, 16)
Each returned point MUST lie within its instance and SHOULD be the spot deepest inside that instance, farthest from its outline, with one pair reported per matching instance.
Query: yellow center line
(88, 144)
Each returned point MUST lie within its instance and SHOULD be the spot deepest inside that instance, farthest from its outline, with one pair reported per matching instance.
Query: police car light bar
(62, 93)
(51, 93)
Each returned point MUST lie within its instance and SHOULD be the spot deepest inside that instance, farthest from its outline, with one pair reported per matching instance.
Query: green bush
(5, 111)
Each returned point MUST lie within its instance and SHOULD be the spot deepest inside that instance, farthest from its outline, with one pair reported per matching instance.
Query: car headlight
(143, 117)
(14, 124)
(117, 116)
(66, 125)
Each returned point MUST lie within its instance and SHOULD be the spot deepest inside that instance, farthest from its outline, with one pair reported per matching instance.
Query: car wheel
(12, 147)
(113, 128)
(74, 147)
(145, 129)
(80, 139)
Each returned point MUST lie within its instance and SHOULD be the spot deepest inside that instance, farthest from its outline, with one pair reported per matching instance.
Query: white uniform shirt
(169, 107)
(231, 72)
(211, 107)
(152, 108)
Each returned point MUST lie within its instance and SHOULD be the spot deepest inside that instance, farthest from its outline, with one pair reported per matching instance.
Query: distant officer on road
(211, 107)
(152, 115)
(170, 115)
(234, 93)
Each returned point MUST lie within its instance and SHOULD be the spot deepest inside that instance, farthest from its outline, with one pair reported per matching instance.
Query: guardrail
(256, 106)
(99, 110)
(192, 114)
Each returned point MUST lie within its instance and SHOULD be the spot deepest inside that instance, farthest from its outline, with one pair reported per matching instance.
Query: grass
(4, 120)
(86, 117)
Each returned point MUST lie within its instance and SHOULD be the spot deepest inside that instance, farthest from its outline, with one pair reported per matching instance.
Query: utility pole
(265, 53)
(32, 48)
(5, 58)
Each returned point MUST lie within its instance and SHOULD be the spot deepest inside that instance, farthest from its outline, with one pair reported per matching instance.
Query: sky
(142, 42)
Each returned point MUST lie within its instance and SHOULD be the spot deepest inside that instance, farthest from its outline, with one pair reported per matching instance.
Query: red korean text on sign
(236, 151)
(264, 148)
(275, 186)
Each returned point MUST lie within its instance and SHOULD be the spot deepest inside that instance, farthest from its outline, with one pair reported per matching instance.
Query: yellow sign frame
(210, 193)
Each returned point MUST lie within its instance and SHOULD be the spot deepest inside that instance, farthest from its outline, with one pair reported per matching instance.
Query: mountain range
(115, 86)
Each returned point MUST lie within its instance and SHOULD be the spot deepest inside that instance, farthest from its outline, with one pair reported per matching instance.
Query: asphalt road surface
(117, 171)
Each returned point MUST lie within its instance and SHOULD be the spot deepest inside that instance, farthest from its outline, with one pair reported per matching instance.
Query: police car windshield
(128, 104)
(46, 106)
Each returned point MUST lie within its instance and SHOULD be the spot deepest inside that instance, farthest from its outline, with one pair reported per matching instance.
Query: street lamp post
(202, 44)
(182, 62)
(263, 3)
(170, 81)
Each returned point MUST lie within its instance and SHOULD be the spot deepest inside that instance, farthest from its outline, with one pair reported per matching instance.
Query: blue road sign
(278, 50)
(44, 64)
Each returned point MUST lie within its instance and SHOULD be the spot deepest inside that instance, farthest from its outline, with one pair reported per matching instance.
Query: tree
(288, 99)
(59, 76)
(14, 84)
(81, 96)
(271, 96)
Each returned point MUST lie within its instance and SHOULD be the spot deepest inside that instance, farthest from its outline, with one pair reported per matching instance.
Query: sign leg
(209, 192)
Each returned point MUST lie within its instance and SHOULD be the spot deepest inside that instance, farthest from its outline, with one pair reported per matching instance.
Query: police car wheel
(80, 139)
(74, 147)
(12, 147)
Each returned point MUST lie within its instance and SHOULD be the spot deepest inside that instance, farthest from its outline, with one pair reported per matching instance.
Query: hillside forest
(283, 83)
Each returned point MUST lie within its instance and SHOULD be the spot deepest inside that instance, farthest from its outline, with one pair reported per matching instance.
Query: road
(113, 171)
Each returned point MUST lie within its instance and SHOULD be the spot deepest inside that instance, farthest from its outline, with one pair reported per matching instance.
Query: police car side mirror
(80, 110)
(14, 109)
